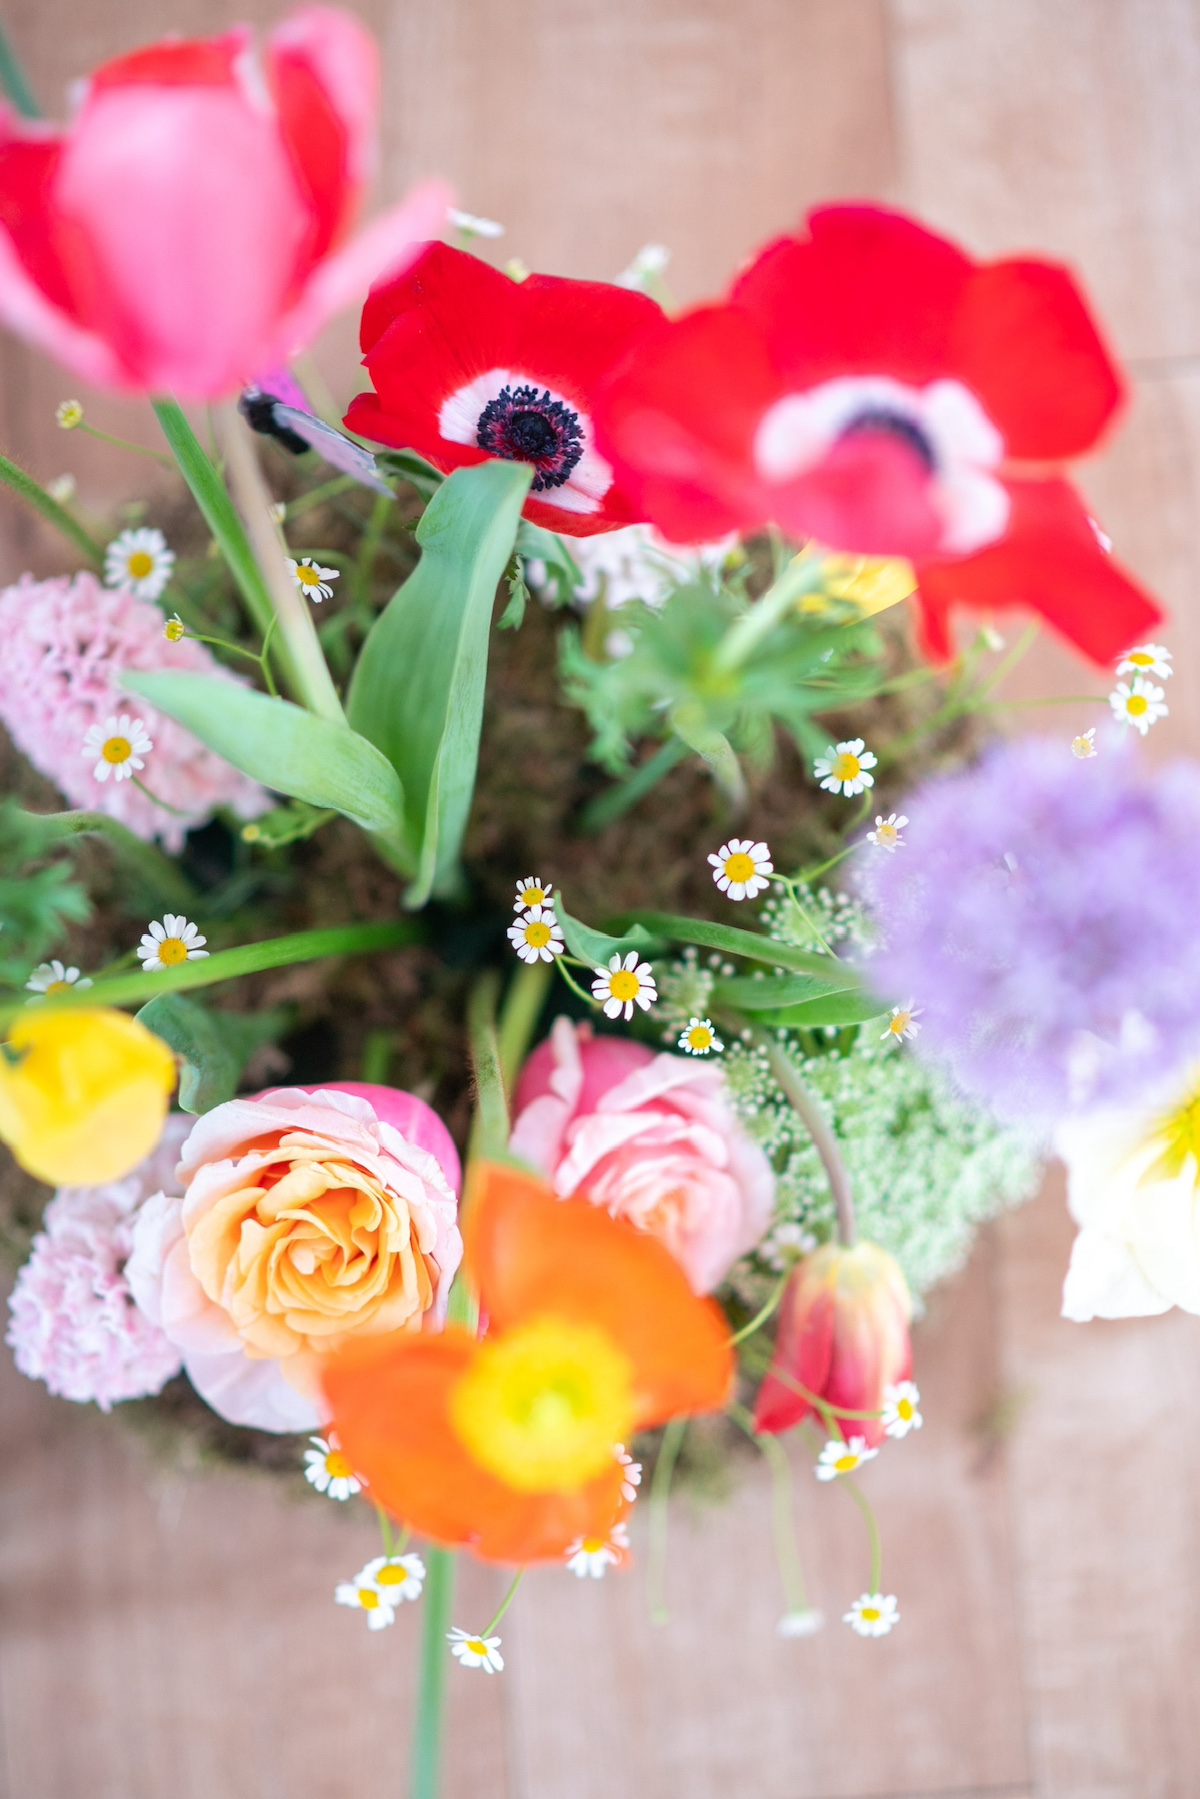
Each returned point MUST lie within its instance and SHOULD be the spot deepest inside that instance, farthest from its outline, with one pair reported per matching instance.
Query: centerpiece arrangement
(545, 941)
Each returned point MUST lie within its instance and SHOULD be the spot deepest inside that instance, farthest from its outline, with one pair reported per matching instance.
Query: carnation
(66, 643)
(75, 1323)
(1039, 917)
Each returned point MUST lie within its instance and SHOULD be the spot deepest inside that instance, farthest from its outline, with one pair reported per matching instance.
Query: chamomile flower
(62, 488)
(394, 1577)
(475, 1652)
(537, 935)
(742, 869)
(800, 1624)
(329, 1471)
(838, 1457)
(69, 414)
(623, 985)
(900, 1409)
(49, 978)
(118, 745)
(1084, 745)
(845, 768)
(366, 1596)
(874, 1615)
(140, 562)
(886, 835)
(174, 630)
(1138, 704)
(1147, 659)
(471, 225)
(533, 891)
(594, 1556)
(313, 580)
(631, 1476)
(902, 1026)
(698, 1037)
(167, 944)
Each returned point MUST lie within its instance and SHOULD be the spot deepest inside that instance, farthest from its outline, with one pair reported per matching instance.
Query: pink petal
(25, 309)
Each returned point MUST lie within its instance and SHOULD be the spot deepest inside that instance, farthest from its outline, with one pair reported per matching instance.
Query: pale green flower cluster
(815, 918)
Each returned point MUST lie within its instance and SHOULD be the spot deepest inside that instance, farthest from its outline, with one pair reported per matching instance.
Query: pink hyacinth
(66, 642)
(75, 1323)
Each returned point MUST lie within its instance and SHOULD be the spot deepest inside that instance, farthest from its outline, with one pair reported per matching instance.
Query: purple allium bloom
(1043, 915)
(75, 1323)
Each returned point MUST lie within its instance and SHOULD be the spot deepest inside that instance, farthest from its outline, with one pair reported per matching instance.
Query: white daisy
(1147, 659)
(472, 225)
(140, 561)
(394, 1577)
(119, 746)
(1084, 745)
(844, 768)
(595, 1555)
(537, 936)
(174, 629)
(631, 1478)
(329, 1471)
(800, 1624)
(742, 869)
(838, 1457)
(698, 1037)
(886, 835)
(53, 977)
(312, 579)
(168, 944)
(475, 1652)
(62, 489)
(873, 1615)
(367, 1597)
(900, 1414)
(902, 1026)
(1139, 704)
(533, 891)
(69, 414)
(623, 985)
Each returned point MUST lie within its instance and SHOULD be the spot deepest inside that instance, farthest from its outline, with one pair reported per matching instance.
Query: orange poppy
(506, 1443)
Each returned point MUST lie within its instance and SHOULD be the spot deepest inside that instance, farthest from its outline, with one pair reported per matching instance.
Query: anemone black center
(877, 419)
(523, 424)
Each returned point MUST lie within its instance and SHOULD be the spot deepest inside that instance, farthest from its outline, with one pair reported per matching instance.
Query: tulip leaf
(597, 947)
(772, 993)
(213, 1047)
(293, 751)
(417, 692)
(732, 941)
(832, 1008)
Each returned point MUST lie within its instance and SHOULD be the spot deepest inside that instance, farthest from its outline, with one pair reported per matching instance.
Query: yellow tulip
(83, 1093)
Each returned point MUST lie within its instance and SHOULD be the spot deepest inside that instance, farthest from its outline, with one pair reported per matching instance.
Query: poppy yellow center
(171, 951)
(624, 985)
(392, 1575)
(140, 564)
(739, 867)
(537, 934)
(846, 767)
(368, 1600)
(308, 577)
(117, 750)
(542, 1406)
(336, 1465)
(1136, 704)
(846, 1464)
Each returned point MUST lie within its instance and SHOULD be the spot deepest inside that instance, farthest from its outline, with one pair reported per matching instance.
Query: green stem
(428, 1727)
(504, 1603)
(167, 884)
(760, 1317)
(815, 1399)
(573, 984)
(519, 1016)
(35, 495)
(660, 1495)
(14, 83)
(489, 1131)
(377, 1057)
(801, 576)
(787, 1556)
(818, 1127)
(864, 1505)
(123, 443)
(601, 812)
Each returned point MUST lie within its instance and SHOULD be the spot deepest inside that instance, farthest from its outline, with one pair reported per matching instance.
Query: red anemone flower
(468, 364)
(871, 387)
(189, 227)
(510, 1444)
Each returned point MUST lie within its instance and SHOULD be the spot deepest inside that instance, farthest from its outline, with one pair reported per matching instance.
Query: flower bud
(843, 1335)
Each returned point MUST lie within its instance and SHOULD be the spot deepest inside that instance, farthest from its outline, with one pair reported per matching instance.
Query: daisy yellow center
(900, 1023)
(542, 1406)
(870, 1614)
(887, 833)
(477, 1646)
(624, 985)
(116, 750)
(593, 1545)
(1136, 704)
(534, 896)
(846, 1464)
(172, 951)
(1140, 659)
(368, 1600)
(175, 629)
(140, 564)
(537, 934)
(308, 577)
(336, 1465)
(700, 1037)
(846, 767)
(904, 1409)
(392, 1576)
(57, 987)
(739, 867)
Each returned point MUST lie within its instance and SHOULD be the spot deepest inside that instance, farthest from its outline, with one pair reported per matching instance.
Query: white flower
(874, 1615)
(1147, 659)
(69, 414)
(53, 977)
(1084, 745)
(1139, 704)
(473, 226)
(647, 265)
(902, 1025)
(800, 1624)
(62, 489)
(886, 835)
(699, 1038)
(394, 1577)
(900, 1414)
(312, 579)
(537, 936)
(119, 746)
(595, 1555)
(623, 985)
(742, 869)
(329, 1471)
(843, 1458)
(367, 1597)
(631, 1479)
(475, 1652)
(533, 891)
(174, 630)
(843, 768)
(168, 944)
(140, 561)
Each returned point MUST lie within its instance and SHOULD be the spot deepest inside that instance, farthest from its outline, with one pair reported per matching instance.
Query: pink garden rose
(298, 1219)
(652, 1138)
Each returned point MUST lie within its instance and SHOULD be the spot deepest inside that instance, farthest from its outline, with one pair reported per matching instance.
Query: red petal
(803, 1351)
(867, 292)
(1051, 561)
(868, 496)
(28, 168)
(323, 70)
(198, 62)
(1025, 342)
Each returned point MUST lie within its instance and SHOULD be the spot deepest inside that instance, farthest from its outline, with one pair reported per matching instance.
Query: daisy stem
(385, 1530)
(823, 1138)
(35, 495)
(864, 1505)
(660, 1495)
(614, 802)
(428, 1729)
(504, 1603)
(802, 575)
(519, 1016)
(175, 811)
(123, 443)
(572, 983)
(760, 1317)
(791, 1574)
(815, 1399)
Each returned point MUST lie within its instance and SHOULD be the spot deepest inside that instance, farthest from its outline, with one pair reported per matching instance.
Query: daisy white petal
(1140, 704)
(1084, 745)
(742, 868)
(533, 891)
(845, 768)
(50, 978)
(366, 1598)
(475, 1651)
(329, 1471)
(594, 1556)
(840, 1457)
(699, 1039)
(118, 745)
(537, 935)
(902, 1026)
(313, 580)
(901, 1401)
(631, 1478)
(1147, 659)
(873, 1615)
(139, 561)
(167, 944)
(886, 835)
(394, 1577)
(625, 983)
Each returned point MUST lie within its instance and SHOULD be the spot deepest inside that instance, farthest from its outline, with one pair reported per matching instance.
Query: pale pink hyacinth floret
(66, 642)
(75, 1323)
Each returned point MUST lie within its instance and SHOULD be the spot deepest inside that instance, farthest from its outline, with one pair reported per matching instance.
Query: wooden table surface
(175, 1636)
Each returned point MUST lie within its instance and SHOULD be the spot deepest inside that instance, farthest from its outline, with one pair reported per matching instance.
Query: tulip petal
(324, 74)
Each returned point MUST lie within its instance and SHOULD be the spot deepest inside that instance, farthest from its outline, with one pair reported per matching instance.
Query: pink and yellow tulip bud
(843, 1336)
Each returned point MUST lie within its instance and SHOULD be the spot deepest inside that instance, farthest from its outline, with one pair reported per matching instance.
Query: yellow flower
(83, 1093)
(869, 582)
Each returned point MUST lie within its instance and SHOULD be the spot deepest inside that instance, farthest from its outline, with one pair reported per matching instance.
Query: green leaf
(213, 1046)
(562, 573)
(836, 1008)
(770, 993)
(417, 692)
(293, 751)
(712, 746)
(735, 942)
(597, 947)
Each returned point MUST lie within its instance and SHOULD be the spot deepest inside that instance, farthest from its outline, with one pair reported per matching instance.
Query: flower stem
(504, 1603)
(614, 802)
(428, 1729)
(35, 495)
(560, 963)
(864, 1505)
(660, 1495)
(760, 1317)
(801, 576)
(519, 1016)
(787, 1556)
(823, 1138)
(123, 443)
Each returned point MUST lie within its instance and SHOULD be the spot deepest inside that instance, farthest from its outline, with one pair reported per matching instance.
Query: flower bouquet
(463, 1189)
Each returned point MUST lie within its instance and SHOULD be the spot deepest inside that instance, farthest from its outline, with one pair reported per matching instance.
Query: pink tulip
(843, 1334)
(190, 226)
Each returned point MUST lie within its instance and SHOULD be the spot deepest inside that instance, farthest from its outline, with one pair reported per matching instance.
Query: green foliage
(214, 1046)
(39, 895)
(558, 573)
(597, 947)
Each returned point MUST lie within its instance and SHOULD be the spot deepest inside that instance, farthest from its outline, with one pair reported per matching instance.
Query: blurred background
(172, 1631)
